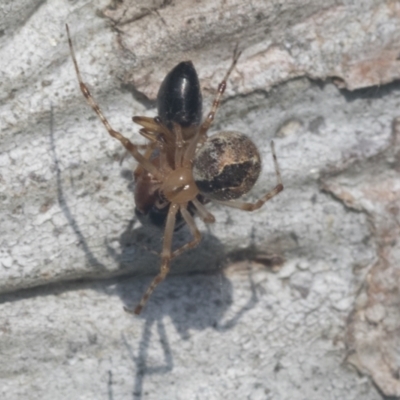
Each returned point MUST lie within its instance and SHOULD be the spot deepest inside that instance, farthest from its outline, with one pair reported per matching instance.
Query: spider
(181, 168)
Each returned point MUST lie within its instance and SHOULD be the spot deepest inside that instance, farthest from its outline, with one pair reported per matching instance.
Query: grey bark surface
(298, 300)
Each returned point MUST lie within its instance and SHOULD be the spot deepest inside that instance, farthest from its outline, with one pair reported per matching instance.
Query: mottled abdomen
(227, 166)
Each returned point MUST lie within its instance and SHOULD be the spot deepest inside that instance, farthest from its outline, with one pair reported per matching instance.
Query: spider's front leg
(220, 91)
(132, 149)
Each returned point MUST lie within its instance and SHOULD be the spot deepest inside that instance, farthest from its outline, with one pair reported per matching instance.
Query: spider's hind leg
(167, 255)
(165, 258)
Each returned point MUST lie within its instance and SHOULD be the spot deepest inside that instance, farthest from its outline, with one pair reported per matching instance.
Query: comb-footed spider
(181, 167)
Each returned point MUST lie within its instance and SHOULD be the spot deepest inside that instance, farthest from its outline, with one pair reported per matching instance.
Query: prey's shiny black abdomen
(179, 99)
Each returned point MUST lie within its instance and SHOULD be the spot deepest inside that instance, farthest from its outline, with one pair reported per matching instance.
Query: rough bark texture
(318, 77)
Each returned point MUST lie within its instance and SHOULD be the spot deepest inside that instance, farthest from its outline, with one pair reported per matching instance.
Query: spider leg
(165, 258)
(133, 150)
(126, 152)
(193, 230)
(268, 196)
(201, 133)
(154, 125)
(166, 254)
(146, 122)
(178, 145)
(221, 89)
(156, 131)
(203, 213)
(150, 135)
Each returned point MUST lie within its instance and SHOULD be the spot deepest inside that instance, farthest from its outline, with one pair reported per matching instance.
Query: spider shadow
(90, 256)
(141, 247)
(209, 256)
(192, 302)
(196, 300)
(195, 296)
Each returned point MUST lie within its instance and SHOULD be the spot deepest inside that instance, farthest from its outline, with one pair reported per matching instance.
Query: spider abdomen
(227, 166)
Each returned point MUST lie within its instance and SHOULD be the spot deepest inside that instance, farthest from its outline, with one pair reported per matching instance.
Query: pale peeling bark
(318, 77)
(372, 186)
